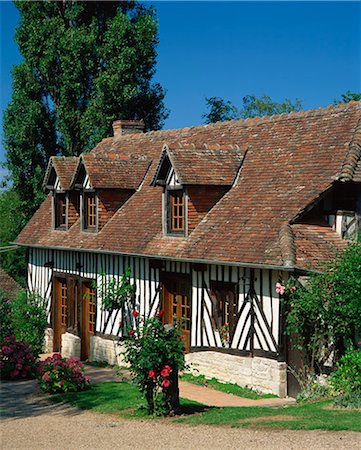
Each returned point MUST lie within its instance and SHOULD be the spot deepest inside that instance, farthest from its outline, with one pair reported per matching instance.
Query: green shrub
(17, 360)
(351, 401)
(29, 319)
(347, 377)
(57, 375)
(155, 352)
(6, 328)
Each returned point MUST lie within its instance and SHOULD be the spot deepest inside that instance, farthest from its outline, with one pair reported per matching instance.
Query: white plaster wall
(263, 374)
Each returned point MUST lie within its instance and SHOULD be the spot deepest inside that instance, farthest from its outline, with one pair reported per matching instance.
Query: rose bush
(156, 353)
(57, 375)
(17, 360)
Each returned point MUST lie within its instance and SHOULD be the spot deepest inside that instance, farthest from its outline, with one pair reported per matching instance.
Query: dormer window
(60, 209)
(90, 212)
(193, 181)
(176, 212)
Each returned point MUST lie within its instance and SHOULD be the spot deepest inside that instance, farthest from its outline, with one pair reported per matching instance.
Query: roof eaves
(178, 259)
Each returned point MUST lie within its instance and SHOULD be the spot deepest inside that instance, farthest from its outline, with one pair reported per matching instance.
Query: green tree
(84, 65)
(220, 110)
(349, 96)
(11, 222)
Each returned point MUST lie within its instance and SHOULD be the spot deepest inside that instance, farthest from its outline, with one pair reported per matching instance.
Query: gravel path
(29, 421)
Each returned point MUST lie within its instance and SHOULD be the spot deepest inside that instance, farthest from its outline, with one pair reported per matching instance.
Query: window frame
(170, 194)
(221, 315)
(85, 212)
(57, 225)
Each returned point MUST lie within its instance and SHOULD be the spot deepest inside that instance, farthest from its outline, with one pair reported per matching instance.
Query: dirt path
(29, 421)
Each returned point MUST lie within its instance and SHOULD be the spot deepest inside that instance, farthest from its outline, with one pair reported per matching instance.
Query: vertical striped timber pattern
(259, 308)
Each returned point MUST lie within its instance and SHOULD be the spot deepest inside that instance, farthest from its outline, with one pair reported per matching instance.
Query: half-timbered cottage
(208, 219)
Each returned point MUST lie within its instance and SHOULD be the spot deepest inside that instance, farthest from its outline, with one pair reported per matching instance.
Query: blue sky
(305, 50)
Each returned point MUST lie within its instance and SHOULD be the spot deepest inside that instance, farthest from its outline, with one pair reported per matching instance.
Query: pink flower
(280, 289)
(61, 383)
(87, 379)
(135, 313)
(293, 288)
(166, 383)
(152, 374)
(46, 377)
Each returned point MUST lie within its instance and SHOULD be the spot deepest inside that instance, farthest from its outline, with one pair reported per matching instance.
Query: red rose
(161, 313)
(135, 313)
(223, 331)
(120, 323)
(131, 332)
(166, 371)
(165, 383)
(152, 374)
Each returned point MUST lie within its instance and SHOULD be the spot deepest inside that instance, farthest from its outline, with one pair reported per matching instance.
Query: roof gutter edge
(178, 259)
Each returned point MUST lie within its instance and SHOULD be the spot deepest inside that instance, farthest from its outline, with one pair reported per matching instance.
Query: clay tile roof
(8, 284)
(64, 167)
(113, 172)
(291, 160)
(211, 165)
(315, 245)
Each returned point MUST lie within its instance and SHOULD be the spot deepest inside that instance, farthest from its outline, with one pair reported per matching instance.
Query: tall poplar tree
(84, 65)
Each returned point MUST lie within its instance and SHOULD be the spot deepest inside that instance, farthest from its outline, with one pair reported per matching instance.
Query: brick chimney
(122, 127)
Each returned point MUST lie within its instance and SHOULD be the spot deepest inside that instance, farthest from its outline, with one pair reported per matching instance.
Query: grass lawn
(229, 388)
(123, 399)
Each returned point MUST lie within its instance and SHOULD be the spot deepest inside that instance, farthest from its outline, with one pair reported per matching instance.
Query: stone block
(70, 345)
(108, 350)
(49, 340)
(262, 374)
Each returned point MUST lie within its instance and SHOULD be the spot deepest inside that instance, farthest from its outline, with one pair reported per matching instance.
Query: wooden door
(87, 327)
(177, 304)
(59, 311)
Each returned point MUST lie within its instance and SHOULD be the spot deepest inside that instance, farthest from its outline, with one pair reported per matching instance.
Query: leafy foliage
(349, 96)
(326, 313)
(221, 110)
(156, 353)
(84, 65)
(115, 294)
(17, 360)
(6, 327)
(352, 400)
(347, 377)
(29, 319)
(57, 375)
(12, 219)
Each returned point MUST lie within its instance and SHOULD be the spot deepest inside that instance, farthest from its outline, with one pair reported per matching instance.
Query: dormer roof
(60, 169)
(111, 172)
(206, 165)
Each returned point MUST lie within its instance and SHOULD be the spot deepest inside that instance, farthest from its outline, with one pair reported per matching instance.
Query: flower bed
(17, 360)
(57, 375)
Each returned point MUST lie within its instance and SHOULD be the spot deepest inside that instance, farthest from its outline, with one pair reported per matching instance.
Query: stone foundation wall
(108, 350)
(263, 374)
(70, 345)
(49, 340)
